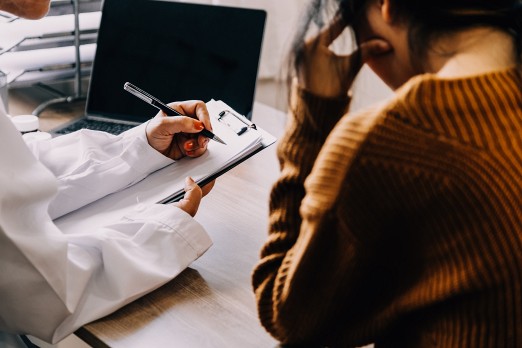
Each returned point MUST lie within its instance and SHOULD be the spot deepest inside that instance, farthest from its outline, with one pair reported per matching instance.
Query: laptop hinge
(119, 121)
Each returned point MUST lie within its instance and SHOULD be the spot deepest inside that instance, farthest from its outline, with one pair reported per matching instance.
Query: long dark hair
(426, 21)
(429, 20)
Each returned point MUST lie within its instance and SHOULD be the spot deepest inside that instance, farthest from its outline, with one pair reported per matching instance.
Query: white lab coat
(53, 283)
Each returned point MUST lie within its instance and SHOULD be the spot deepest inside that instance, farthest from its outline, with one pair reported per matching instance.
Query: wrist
(321, 113)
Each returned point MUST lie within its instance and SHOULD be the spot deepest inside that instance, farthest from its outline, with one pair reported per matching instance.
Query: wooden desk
(211, 304)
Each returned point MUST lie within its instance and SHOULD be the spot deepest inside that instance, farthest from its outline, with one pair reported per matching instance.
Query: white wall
(368, 89)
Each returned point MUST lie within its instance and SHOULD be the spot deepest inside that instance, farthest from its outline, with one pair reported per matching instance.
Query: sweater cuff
(320, 113)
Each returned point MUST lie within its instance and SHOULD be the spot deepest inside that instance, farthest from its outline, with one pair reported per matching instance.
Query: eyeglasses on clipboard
(238, 123)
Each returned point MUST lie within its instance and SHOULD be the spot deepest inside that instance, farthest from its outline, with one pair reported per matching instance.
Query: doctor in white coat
(52, 283)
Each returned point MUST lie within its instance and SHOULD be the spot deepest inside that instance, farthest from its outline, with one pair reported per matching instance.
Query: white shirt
(52, 283)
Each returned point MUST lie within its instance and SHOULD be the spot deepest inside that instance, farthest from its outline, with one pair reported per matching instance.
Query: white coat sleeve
(52, 283)
(90, 164)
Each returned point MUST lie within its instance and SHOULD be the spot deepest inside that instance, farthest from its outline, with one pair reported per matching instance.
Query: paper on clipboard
(167, 184)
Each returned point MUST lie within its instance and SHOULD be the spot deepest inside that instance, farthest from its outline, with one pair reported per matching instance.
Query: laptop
(175, 51)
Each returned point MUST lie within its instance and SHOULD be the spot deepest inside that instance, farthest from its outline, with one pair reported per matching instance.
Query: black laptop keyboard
(109, 127)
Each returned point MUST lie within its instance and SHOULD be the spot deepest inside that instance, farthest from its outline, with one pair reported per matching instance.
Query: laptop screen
(174, 51)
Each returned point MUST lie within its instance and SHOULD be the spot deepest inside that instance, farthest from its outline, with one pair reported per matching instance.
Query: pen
(138, 92)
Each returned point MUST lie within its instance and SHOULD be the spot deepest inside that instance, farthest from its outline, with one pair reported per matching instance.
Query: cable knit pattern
(402, 226)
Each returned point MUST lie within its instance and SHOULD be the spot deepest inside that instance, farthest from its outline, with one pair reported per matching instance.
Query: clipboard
(167, 184)
(240, 125)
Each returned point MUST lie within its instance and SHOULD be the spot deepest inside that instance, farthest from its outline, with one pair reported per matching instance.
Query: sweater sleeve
(311, 119)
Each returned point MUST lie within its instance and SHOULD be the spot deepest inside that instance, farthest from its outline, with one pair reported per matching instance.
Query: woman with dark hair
(401, 224)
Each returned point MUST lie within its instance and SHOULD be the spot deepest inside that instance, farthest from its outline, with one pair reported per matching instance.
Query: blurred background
(38, 57)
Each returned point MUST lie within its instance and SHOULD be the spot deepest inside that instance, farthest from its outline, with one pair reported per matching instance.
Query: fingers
(365, 52)
(181, 124)
(325, 73)
(193, 108)
(373, 48)
(368, 48)
(194, 146)
(328, 35)
(176, 137)
(193, 194)
(206, 189)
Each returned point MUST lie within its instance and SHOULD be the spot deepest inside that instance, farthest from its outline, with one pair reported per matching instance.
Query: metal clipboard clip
(238, 123)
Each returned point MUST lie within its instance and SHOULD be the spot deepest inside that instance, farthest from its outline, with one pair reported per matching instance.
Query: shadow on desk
(188, 286)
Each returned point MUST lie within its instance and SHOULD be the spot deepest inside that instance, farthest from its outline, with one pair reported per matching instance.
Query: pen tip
(216, 138)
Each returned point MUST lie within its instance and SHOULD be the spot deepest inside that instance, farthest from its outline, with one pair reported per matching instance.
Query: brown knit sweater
(408, 230)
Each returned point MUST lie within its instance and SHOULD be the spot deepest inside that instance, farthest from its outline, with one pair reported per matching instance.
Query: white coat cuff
(177, 220)
(146, 159)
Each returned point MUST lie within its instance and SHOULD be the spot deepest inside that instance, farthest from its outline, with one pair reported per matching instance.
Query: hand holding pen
(169, 111)
(177, 137)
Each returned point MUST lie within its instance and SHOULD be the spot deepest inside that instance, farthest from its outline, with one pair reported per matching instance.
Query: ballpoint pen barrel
(148, 98)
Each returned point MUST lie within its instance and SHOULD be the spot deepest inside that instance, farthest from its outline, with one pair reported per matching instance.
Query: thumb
(374, 47)
(192, 198)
